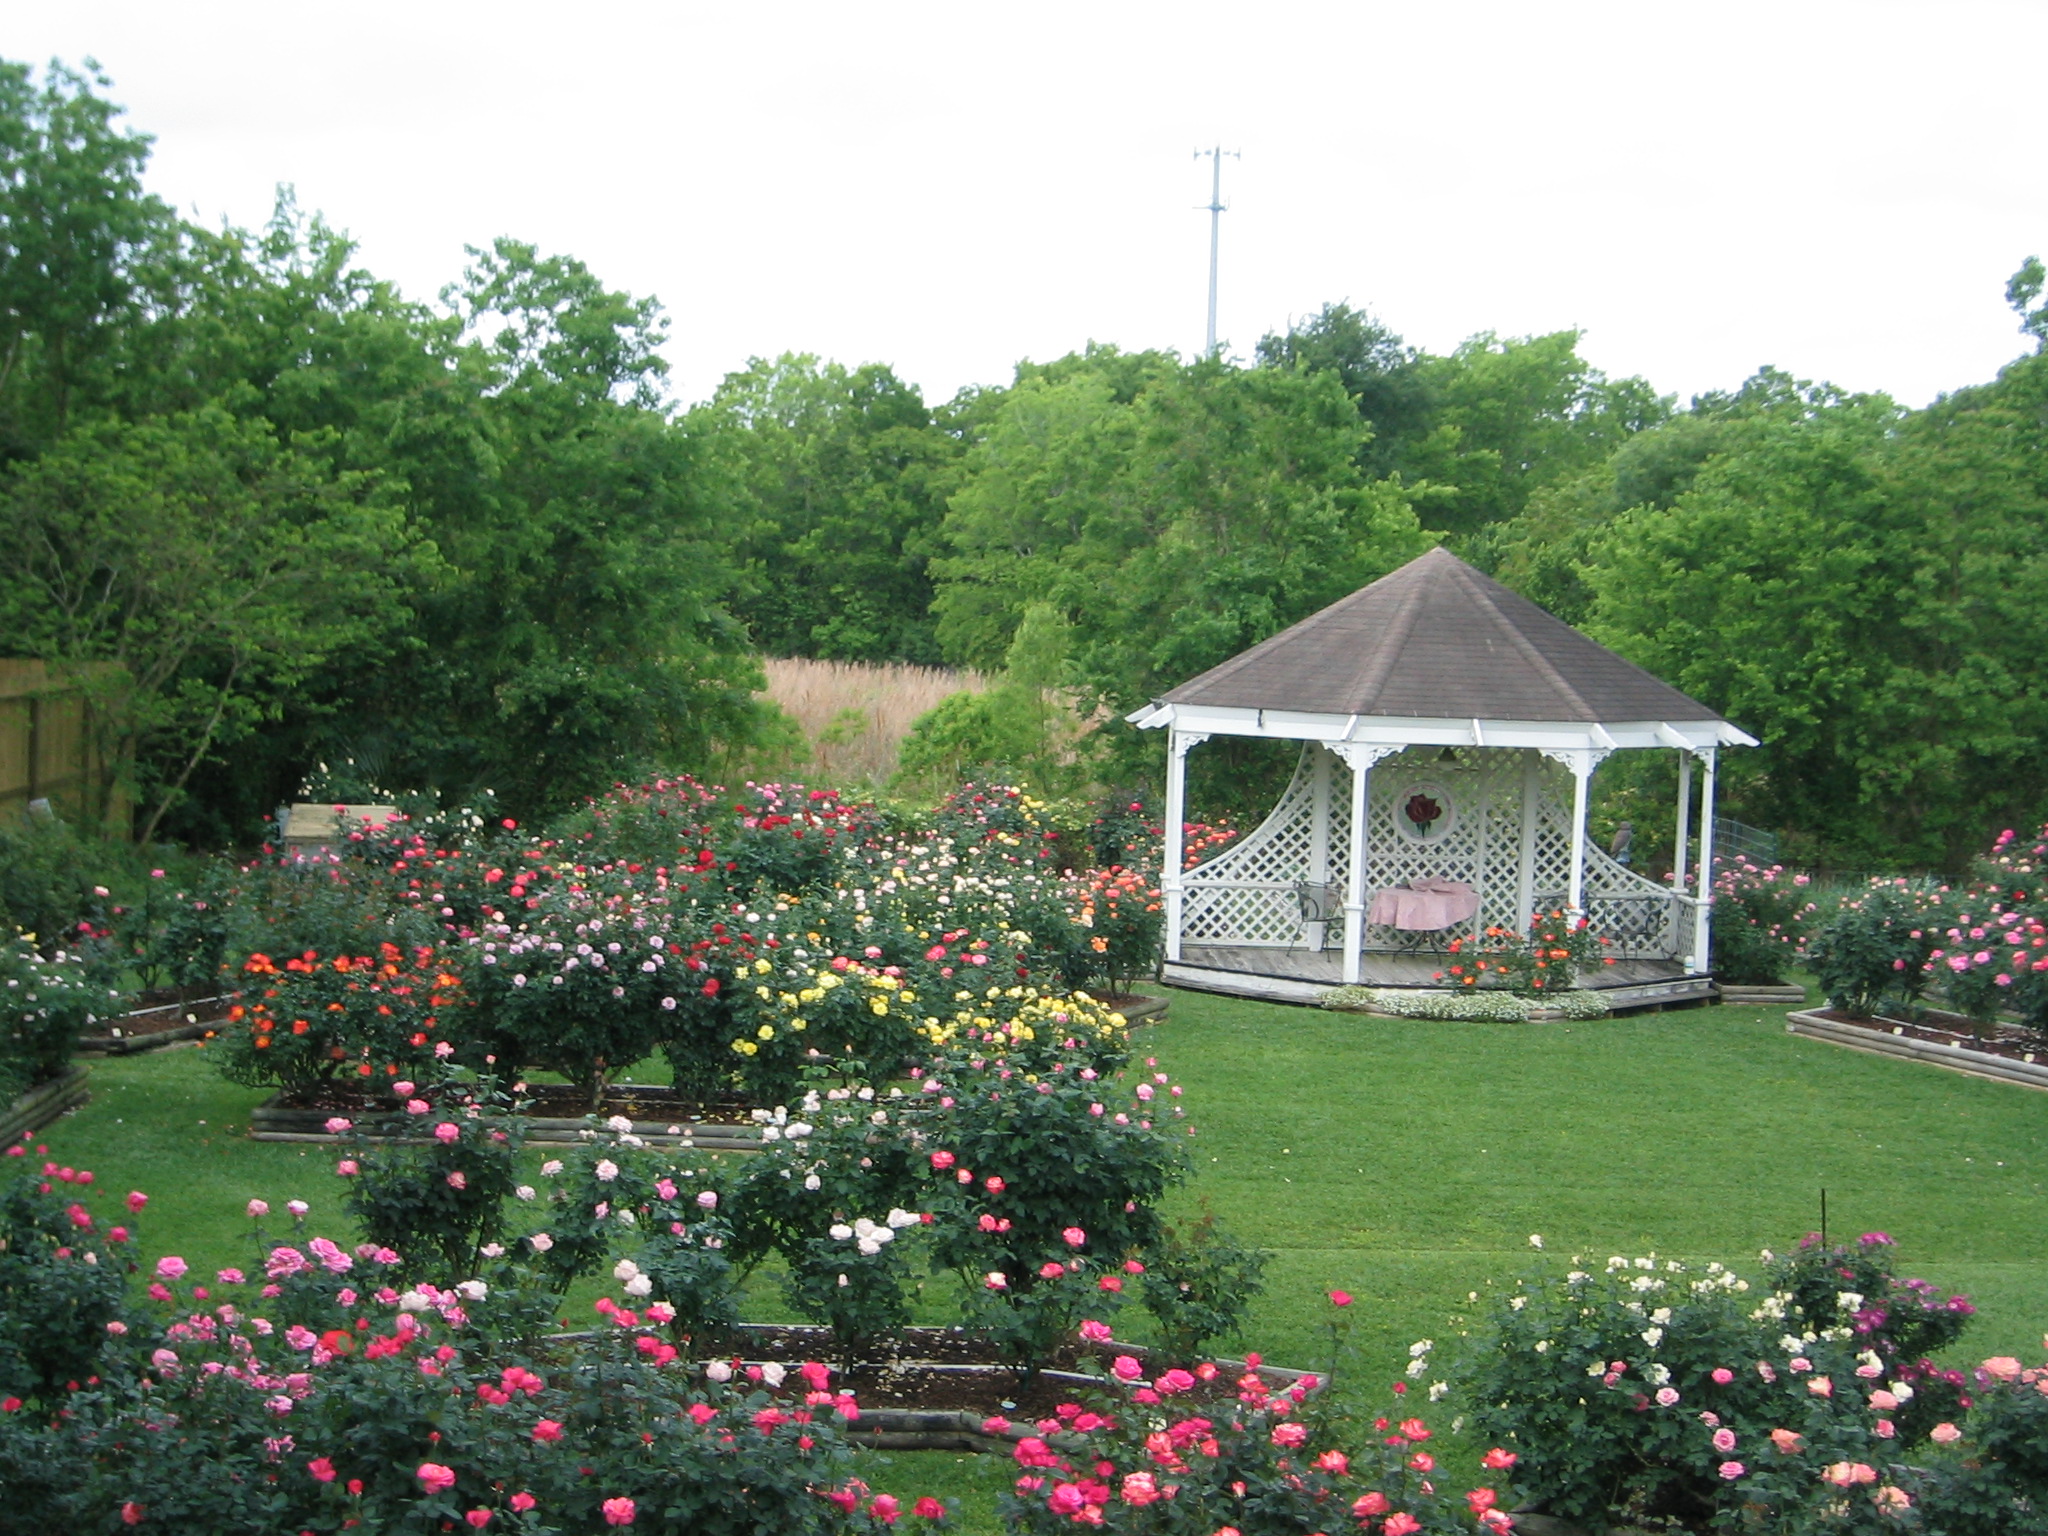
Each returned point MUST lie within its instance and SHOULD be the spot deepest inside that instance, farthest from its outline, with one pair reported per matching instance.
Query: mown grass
(1405, 1162)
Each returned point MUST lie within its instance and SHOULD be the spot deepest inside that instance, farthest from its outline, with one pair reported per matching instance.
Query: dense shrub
(1547, 957)
(433, 1186)
(1760, 917)
(51, 879)
(63, 1279)
(46, 1001)
(1647, 1390)
(313, 1020)
(1875, 948)
(1146, 1459)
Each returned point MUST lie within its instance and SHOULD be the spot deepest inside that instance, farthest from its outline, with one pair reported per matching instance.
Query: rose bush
(1643, 1389)
(320, 1396)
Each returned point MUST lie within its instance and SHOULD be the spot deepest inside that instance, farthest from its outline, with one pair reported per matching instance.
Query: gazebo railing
(1252, 895)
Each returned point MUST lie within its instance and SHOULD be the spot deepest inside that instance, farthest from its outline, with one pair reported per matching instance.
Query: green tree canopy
(840, 478)
(186, 572)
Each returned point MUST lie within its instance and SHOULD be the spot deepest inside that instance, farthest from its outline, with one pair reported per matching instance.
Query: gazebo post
(1682, 841)
(1582, 778)
(1354, 888)
(1702, 932)
(1319, 844)
(1170, 881)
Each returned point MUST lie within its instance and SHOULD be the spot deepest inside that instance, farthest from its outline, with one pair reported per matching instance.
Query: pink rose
(619, 1511)
(169, 1267)
(435, 1478)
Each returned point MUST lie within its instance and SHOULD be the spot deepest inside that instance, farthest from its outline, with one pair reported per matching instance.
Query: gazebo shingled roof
(1436, 639)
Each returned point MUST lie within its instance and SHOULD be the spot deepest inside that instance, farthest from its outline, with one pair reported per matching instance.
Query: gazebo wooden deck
(1470, 723)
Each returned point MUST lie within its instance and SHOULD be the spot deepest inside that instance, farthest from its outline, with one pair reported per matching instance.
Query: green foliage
(314, 1021)
(75, 225)
(1760, 916)
(1875, 947)
(1200, 1284)
(1855, 584)
(840, 476)
(2023, 289)
(47, 1000)
(1510, 416)
(1171, 515)
(48, 874)
(181, 573)
(433, 1186)
(63, 1279)
(1599, 1380)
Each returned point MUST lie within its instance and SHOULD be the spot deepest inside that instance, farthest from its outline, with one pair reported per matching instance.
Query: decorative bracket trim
(1183, 740)
(1359, 756)
(1580, 760)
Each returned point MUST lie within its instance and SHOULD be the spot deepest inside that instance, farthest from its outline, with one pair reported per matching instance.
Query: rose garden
(866, 1145)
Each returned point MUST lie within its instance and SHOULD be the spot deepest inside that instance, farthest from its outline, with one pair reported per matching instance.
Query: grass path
(1403, 1161)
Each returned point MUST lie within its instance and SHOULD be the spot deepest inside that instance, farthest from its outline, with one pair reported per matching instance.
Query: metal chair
(1320, 904)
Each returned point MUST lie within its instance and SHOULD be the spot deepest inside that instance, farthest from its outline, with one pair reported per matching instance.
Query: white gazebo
(1469, 723)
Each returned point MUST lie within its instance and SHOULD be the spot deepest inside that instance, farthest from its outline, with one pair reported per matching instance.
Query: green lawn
(1403, 1161)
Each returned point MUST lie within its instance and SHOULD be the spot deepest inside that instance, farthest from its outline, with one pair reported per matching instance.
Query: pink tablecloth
(1424, 905)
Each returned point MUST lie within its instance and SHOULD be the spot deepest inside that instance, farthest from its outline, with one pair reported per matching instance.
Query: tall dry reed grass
(854, 715)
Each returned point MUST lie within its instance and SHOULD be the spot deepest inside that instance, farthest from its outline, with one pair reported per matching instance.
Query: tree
(73, 218)
(841, 476)
(1768, 589)
(1381, 373)
(1164, 532)
(1511, 416)
(184, 573)
(2024, 288)
(579, 635)
(1544, 551)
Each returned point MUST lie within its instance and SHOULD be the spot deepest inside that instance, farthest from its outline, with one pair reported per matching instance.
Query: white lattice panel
(1248, 895)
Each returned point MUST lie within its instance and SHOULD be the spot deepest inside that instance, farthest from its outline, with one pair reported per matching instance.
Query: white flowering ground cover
(1403, 1162)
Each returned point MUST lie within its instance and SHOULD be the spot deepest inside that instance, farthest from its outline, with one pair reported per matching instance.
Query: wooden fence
(46, 752)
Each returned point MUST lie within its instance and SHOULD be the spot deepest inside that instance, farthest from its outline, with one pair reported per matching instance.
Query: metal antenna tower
(1215, 206)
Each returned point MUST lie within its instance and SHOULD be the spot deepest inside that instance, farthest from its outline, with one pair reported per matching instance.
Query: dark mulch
(2006, 1040)
(952, 1369)
(549, 1101)
(161, 1010)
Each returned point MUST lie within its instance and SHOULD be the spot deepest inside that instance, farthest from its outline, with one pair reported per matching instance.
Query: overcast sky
(1837, 189)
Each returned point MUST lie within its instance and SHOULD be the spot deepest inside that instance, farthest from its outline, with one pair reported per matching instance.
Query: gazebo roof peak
(1437, 640)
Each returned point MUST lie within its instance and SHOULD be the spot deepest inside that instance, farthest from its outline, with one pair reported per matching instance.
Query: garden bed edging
(272, 1121)
(1955, 1058)
(43, 1103)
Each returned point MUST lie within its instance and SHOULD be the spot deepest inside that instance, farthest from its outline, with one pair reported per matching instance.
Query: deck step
(1289, 989)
